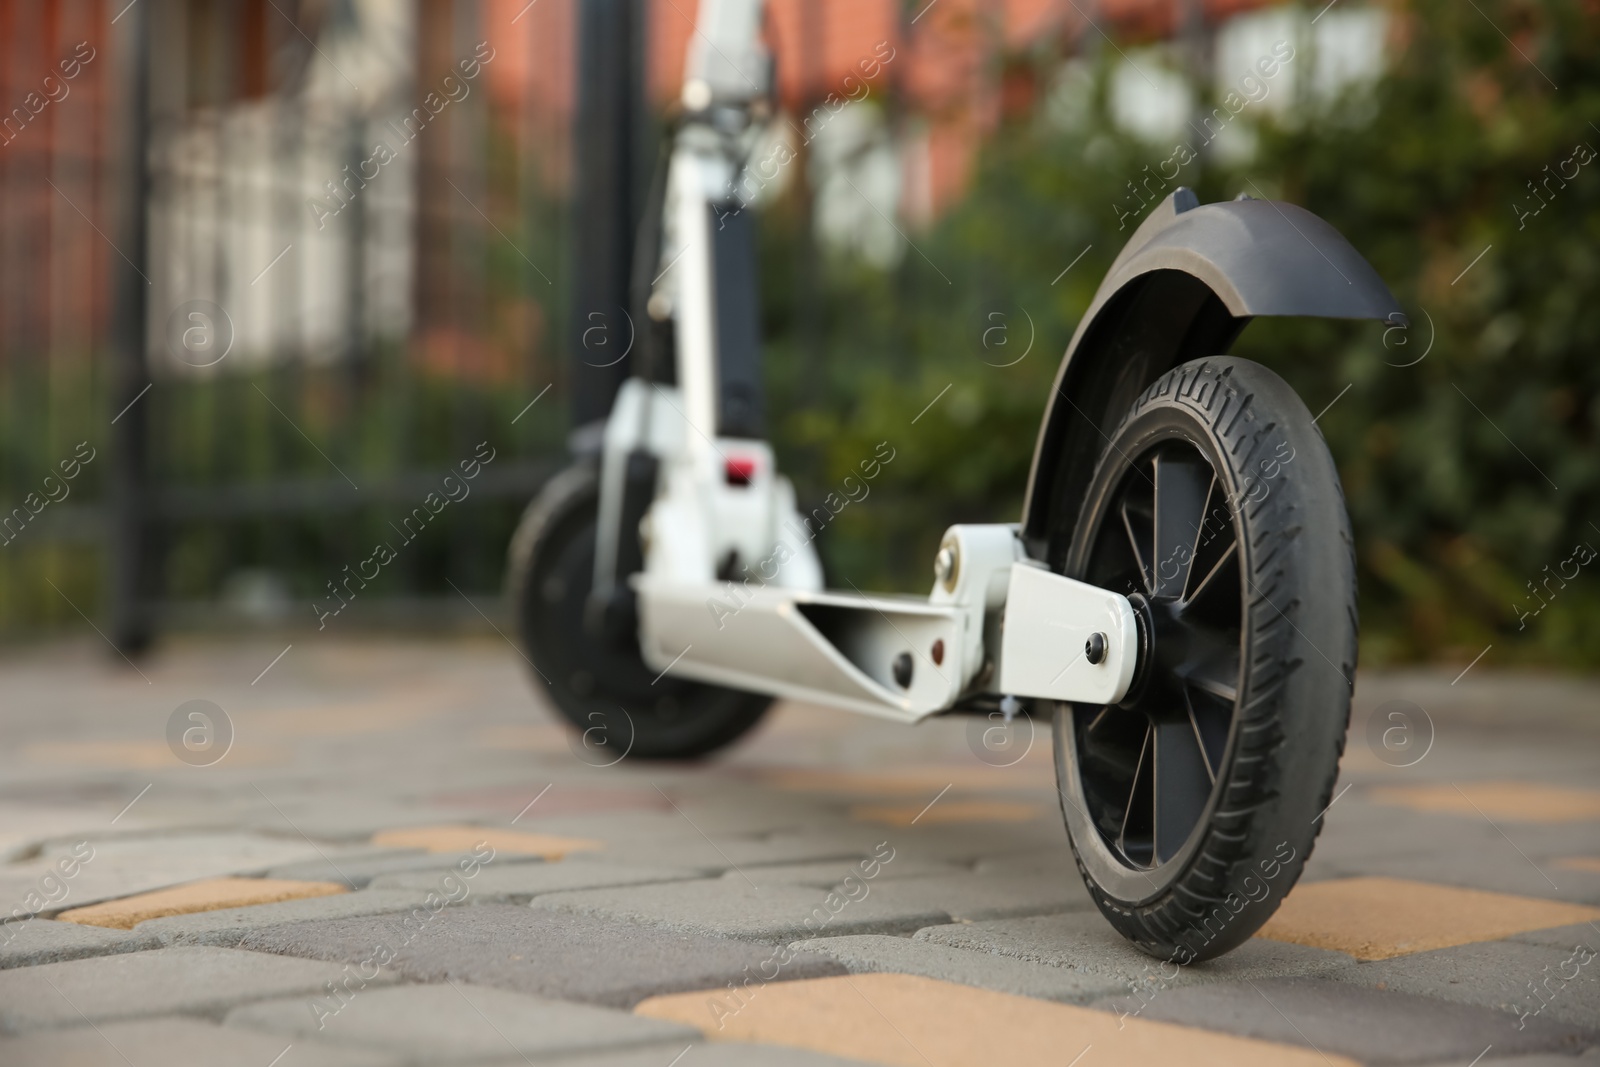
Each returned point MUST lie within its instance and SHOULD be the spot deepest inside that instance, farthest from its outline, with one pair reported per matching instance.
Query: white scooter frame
(995, 622)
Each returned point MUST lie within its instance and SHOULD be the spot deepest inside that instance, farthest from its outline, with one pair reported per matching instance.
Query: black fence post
(610, 154)
(129, 586)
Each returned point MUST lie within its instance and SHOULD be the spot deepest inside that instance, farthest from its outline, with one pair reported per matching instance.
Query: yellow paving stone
(212, 894)
(465, 838)
(1580, 863)
(947, 812)
(912, 780)
(1510, 801)
(1379, 918)
(910, 1021)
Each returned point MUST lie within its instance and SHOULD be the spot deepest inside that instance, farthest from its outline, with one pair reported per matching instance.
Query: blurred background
(269, 269)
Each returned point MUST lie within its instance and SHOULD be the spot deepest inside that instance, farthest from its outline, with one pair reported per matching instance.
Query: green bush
(1471, 475)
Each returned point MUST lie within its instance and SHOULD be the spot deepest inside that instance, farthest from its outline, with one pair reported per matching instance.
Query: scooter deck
(828, 647)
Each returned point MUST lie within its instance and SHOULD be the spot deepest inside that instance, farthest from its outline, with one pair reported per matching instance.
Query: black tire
(1248, 656)
(607, 693)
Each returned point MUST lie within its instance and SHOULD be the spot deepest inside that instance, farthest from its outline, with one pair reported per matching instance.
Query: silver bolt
(944, 566)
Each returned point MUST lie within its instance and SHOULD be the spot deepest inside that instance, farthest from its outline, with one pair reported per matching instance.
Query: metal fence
(271, 272)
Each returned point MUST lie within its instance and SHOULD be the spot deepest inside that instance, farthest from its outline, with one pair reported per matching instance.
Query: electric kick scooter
(1178, 595)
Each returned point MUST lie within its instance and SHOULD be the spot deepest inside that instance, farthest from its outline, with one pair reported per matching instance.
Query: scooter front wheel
(602, 687)
(1192, 805)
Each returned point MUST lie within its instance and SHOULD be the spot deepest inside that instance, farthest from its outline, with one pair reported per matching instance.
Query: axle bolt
(1094, 649)
(944, 567)
(902, 670)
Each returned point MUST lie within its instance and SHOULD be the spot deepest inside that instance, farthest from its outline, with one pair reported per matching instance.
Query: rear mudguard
(1188, 281)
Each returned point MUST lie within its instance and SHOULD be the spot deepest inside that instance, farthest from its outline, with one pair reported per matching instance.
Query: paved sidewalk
(375, 852)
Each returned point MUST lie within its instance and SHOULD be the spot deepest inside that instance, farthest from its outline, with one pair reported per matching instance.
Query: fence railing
(270, 273)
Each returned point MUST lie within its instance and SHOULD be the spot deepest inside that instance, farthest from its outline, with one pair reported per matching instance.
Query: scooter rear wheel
(621, 707)
(1193, 804)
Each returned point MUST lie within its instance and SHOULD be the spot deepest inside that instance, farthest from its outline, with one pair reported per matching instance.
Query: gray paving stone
(176, 1042)
(595, 959)
(703, 1054)
(1494, 974)
(1084, 941)
(1493, 865)
(25, 943)
(359, 867)
(724, 816)
(736, 908)
(122, 866)
(1039, 840)
(457, 1021)
(1044, 861)
(876, 952)
(230, 927)
(523, 881)
(716, 854)
(1368, 1025)
(1567, 937)
(828, 874)
(131, 984)
(1551, 1059)
(968, 897)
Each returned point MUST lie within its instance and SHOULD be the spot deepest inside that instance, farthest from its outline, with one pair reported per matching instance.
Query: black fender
(1186, 284)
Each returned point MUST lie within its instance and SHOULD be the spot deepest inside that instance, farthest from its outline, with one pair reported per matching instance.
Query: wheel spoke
(1194, 721)
(1209, 581)
(1212, 718)
(1133, 839)
(1214, 666)
(1138, 529)
(1182, 785)
(1182, 487)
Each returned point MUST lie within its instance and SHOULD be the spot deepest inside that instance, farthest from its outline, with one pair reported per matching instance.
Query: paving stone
(457, 1021)
(356, 868)
(1495, 867)
(1376, 918)
(1039, 841)
(465, 838)
(829, 874)
(211, 894)
(728, 816)
(1084, 941)
(1567, 937)
(1496, 974)
(25, 943)
(736, 908)
(131, 984)
(913, 780)
(523, 881)
(950, 812)
(120, 867)
(1552, 1059)
(231, 927)
(599, 960)
(919, 1022)
(1503, 801)
(704, 1054)
(1340, 1019)
(875, 952)
(717, 854)
(968, 897)
(1057, 861)
(31, 827)
(176, 1042)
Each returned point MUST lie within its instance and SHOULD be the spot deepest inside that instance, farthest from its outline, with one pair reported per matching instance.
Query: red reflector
(740, 470)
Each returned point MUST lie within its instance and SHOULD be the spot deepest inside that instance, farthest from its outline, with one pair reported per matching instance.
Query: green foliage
(1468, 473)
